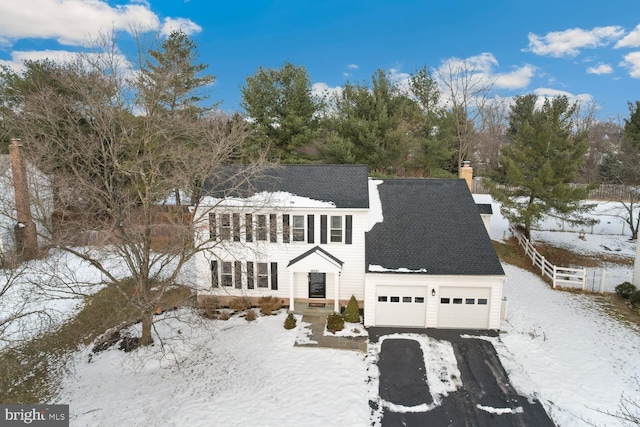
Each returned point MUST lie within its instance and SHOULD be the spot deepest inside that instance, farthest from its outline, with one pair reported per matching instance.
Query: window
(212, 226)
(214, 274)
(261, 227)
(395, 299)
(382, 299)
(298, 228)
(250, 275)
(457, 300)
(336, 229)
(273, 228)
(419, 300)
(470, 301)
(482, 301)
(263, 275)
(227, 274)
(406, 299)
(286, 229)
(225, 226)
(445, 300)
(236, 227)
(248, 227)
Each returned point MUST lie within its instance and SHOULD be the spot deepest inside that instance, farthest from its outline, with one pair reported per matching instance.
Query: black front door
(317, 285)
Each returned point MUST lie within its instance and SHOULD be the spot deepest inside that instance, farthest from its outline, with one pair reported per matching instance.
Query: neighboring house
(414, 252)
(40, 201)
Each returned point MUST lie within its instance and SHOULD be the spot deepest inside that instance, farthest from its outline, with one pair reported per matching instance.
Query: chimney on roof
(466, 173)
(25, 230)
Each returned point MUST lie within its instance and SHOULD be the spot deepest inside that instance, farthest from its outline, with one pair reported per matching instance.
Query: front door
(317, 285)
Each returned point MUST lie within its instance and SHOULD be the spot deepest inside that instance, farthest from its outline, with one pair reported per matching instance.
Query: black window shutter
(248, 227)
(212, 226)
(236, 227)
(273, 228)
(274, 276)
(323, 229)
(214, 274)
(349, 229)
(237, 274)
(286, 230)
(310, 229)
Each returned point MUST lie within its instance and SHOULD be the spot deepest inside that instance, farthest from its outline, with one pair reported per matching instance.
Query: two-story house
(414, 252)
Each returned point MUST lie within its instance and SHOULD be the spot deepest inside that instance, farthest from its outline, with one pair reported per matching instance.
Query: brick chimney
(466, 172)
(25, 230)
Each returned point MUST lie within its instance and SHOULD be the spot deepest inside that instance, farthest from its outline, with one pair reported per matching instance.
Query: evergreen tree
(283, 108)
(367, 125)
(540, 165)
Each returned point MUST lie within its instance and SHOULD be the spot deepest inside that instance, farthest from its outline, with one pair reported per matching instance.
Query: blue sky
(586, 49)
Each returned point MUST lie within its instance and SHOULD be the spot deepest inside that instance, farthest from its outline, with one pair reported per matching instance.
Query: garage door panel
(464, 307)
(401, 306)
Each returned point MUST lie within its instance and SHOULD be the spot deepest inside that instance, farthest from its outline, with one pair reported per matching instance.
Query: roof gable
(431, 226)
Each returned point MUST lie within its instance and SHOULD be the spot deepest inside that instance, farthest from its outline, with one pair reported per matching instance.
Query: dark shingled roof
(431, 224)
(344, 185)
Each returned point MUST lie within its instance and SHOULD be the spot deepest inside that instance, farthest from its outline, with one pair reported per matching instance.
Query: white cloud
(353, 66)
(482, 63)
(187, 26)
(516, 79)
(18, 57)
(632, 62)
(544, 92)
(600, 69)
(77, 22)
(630, 40)
(322, 90)
(569, 42)
(479, 71)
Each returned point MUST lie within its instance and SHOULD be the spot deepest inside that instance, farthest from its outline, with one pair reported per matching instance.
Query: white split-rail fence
(592, 280)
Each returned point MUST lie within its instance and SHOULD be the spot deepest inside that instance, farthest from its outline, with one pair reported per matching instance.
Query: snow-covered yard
(558, 347)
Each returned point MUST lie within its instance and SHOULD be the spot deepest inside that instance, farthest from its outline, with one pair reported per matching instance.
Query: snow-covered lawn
(214, 372)
(558, 347)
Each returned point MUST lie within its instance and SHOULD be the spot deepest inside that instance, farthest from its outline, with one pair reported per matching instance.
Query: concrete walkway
(317, 317)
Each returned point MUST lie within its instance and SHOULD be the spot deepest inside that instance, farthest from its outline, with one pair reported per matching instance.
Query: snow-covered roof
(340, 186)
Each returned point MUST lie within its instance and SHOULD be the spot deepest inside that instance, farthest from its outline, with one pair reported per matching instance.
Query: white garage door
(401, 306)
(464, 308)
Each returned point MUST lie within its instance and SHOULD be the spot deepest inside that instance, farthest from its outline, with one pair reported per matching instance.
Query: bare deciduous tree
(466, 88)
(115, 170)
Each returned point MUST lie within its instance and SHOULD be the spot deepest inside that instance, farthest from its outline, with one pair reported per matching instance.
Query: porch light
(433, 292)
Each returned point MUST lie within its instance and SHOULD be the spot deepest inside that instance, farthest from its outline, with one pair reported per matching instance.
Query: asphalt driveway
(486, 397)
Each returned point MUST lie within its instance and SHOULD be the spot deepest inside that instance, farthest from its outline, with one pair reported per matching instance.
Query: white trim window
(336, 229)
(263, 274)
(298, 228)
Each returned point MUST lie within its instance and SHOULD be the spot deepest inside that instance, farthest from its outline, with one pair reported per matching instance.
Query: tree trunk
(147, 317)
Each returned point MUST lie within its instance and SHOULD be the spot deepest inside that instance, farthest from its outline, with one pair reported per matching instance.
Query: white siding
(352, 255)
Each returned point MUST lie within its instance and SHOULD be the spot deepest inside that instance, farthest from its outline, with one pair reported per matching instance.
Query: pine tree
(538, 168)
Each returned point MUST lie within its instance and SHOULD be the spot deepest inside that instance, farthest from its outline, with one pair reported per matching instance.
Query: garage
(401, 306)
(464, 307)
